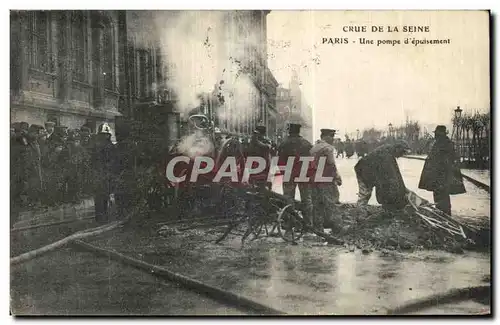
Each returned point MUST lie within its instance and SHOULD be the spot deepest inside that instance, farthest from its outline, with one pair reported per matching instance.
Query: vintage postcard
(250, 162)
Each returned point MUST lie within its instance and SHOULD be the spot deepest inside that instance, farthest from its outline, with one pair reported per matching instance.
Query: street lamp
(458, 112)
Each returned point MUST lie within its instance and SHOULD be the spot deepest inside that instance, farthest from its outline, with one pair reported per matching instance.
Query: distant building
(293, 108)
(65, 67)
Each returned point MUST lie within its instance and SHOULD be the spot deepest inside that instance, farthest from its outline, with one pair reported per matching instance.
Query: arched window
(109, 56)
(39, 35)
(145, 72)
(79, 41)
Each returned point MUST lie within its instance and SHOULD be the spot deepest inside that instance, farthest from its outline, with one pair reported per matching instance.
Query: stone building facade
(65, 67)
(85, 67)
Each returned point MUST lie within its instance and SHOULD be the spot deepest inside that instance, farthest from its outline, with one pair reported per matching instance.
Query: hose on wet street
(215, 293)
(481, 294)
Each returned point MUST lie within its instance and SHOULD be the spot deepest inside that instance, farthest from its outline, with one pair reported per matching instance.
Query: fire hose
(454, 295)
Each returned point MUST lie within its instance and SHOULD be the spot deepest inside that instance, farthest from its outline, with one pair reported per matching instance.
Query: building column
(154, 84)
(97, 55)
(124, 64)
(20, 55)
(64, 66)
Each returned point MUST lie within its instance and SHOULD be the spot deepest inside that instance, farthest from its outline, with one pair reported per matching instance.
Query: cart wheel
(290, 224)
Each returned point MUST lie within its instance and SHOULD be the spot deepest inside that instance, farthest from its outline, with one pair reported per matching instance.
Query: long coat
(295, 146)
(259, 148)
(19, 158)
(101, 165)
(440, 171)
(323, 149)
(34, 168)
(380, 169)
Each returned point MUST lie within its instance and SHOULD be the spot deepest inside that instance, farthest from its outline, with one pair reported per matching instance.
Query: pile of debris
(399, 231)
(420, 226)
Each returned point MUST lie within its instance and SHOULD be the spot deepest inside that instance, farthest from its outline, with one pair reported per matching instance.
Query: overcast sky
(354, 86)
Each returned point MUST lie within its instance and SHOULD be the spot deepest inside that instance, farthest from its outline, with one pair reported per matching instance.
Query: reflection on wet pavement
(307, 279)
(474, 203)
(333, 281)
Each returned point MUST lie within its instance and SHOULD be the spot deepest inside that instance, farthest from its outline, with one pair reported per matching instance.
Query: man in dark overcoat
(260, 146)
(101, 164)
(296, 146)
(19, 156)
(440, 174)
(125, 176)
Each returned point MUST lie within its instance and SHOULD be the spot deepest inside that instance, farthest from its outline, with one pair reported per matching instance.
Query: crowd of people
(362, 147)
(51, 165)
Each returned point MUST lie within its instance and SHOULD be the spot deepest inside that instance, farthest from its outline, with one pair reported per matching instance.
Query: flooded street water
(309, 278)
(474, 203)
(328, 280)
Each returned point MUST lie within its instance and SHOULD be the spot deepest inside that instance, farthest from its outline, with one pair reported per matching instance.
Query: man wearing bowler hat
(440, 174)
(325, 195)
(296, 146)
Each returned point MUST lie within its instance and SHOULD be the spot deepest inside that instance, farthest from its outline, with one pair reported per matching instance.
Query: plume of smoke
(205, 52)
(196, 144)
(191, 65)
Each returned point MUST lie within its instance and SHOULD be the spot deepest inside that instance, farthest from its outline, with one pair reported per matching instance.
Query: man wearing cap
(440, 174)
(296, 146)
(325, 195)
(85, 136)
(49, 126)
(380, 169)
(56, 144)
(58, 138)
